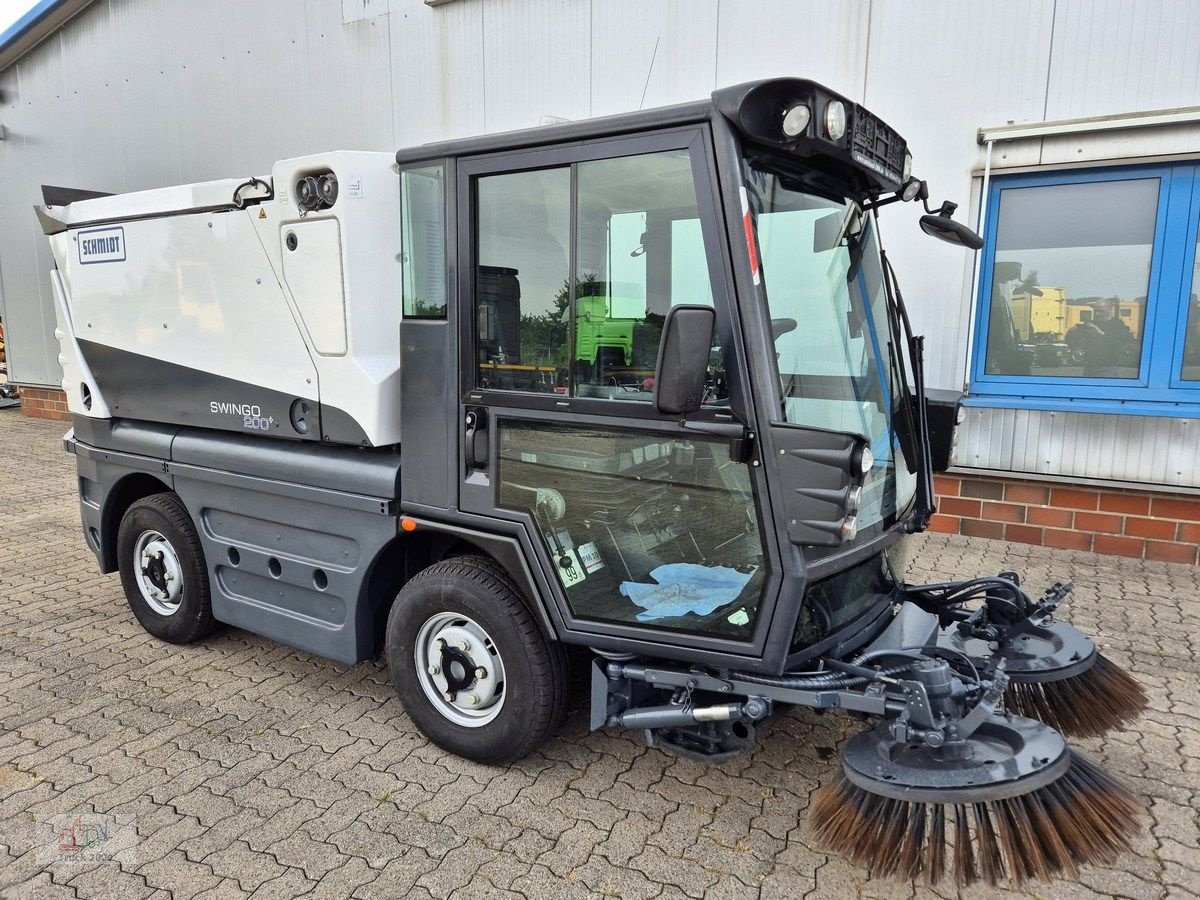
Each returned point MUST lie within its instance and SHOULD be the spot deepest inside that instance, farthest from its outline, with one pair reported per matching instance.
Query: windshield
(834, 331)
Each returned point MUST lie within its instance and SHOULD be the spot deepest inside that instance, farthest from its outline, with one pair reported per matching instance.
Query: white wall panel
(651, 54)
(535, 61)
(990, 66)
(1113, 56)
(437, 71)
(1146, 449)
(825, 40)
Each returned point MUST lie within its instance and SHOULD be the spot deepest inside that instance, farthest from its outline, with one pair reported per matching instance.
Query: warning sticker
(589, 555)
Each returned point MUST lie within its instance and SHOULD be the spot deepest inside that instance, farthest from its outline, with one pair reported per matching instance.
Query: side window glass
(1191, 341)
(1070, 279)
(522, 285)
(639, 252)
(423, 242)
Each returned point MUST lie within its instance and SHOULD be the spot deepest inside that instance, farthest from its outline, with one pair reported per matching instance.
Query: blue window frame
(1067, 252)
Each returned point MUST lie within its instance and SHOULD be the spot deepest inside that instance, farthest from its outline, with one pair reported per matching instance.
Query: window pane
(521, 286)
(644, 529)
(1191, 341)
(423, 242)
(1069, 285)
(640, 252)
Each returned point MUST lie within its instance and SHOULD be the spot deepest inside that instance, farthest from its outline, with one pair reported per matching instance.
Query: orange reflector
(407, 524)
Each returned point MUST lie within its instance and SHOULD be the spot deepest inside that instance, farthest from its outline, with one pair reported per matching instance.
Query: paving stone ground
(239, 767)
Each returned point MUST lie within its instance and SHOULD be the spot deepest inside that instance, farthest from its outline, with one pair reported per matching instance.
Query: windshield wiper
(917, 431)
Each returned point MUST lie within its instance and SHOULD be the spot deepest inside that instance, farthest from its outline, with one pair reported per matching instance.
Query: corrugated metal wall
(143, 93)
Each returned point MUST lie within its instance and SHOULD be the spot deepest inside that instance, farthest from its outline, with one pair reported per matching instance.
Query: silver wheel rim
(158, 573)
(460, 669)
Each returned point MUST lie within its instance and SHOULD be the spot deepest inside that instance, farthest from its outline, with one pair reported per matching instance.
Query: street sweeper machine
(643, 386)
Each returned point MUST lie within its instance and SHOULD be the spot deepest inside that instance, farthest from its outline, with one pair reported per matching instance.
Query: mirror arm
(876, 204)
(741, 439)
(947, 208)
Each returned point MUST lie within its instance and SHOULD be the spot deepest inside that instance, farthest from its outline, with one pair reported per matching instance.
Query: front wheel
(163, 570)
(470, 664)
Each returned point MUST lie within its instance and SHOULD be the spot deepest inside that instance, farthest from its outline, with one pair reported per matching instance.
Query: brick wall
(44, 403)
(1119, 522)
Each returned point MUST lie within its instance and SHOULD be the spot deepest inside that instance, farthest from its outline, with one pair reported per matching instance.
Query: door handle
(475, 440)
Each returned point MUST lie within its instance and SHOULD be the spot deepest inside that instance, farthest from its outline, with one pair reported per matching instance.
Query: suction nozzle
(1009, 803)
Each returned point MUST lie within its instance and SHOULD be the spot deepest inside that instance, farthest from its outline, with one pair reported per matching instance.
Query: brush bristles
(1083, 818)
(1090, 704)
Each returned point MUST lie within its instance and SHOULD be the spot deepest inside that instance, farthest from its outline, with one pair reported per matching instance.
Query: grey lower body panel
(291, 568)
(288, 557)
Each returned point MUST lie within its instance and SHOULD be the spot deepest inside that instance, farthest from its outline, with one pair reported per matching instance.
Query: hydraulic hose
(824, 682)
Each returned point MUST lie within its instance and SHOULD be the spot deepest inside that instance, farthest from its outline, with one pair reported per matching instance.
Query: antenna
(650, 71)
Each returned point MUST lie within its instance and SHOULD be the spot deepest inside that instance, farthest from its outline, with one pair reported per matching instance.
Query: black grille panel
(877, 145)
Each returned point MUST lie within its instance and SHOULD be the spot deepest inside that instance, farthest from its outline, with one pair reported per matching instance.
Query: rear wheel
(470, 664)
(163, 570)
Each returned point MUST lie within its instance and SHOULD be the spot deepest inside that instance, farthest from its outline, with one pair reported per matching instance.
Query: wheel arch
(410, 552)
(122, 495)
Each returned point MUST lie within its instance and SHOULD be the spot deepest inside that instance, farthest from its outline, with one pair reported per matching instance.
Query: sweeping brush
(1100, 699)
(1057, 675)
(1083, 817)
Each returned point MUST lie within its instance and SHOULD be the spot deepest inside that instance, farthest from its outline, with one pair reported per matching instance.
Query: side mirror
(941, 226)
(683, 359)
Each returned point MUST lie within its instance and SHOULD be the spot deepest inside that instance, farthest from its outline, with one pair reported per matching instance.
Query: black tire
(166, 515)
(536, 678)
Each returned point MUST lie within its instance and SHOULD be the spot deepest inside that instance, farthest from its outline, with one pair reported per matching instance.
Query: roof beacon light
(796, 119)
(835, 120)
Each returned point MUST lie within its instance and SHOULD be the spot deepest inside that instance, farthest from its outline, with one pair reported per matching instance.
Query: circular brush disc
(1058, 677)
(1098, 700)
(1017, 805)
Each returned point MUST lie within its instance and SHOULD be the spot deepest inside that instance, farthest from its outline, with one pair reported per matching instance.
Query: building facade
(1066, 129)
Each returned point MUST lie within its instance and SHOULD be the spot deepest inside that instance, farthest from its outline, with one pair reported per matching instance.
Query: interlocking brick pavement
(239, 767)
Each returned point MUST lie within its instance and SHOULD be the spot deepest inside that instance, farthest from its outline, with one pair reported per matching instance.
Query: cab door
(642, 528)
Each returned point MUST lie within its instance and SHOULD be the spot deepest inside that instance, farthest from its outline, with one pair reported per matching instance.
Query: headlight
(867, 460)
(849, 528)
(795, 120)
(907, 166)
(835, 119)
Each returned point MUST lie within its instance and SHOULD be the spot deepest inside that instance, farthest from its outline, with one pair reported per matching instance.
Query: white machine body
(226, 305)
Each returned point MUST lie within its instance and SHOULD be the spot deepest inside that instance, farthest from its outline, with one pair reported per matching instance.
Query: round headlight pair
(835, 120)
(796, 119)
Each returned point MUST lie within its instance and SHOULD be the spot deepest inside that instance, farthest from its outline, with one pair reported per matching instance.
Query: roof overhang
(1186, 115)
(46, 17)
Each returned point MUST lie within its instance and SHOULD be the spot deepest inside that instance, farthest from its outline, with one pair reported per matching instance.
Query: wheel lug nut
(465, 645)
(473, 699)
(440, 644)
(433, 670)
(481, 672)
(449, 698)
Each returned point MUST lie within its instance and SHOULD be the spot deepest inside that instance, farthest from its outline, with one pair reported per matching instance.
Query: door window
(641, 528)
(522, 280)
(577, 267)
